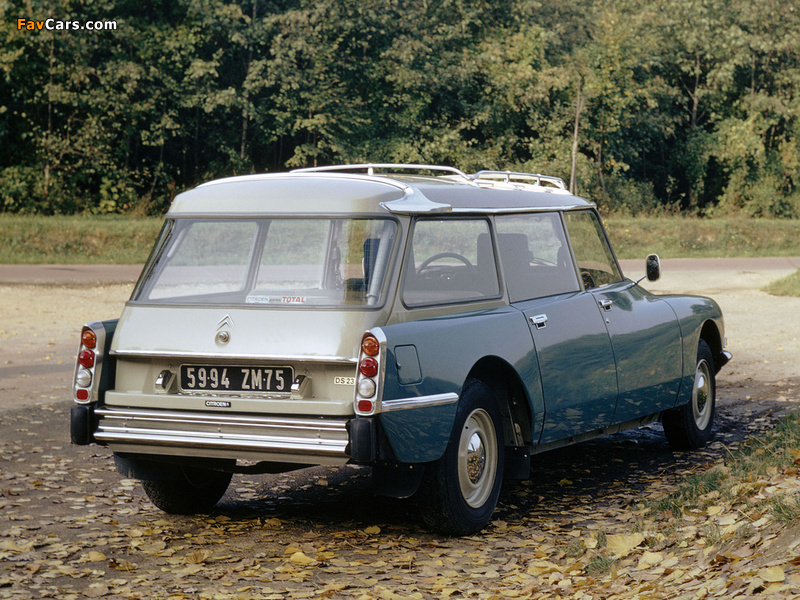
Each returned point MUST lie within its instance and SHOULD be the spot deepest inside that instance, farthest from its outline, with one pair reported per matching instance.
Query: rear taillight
(86, 358)
(370, 372)
(88, 338)
(368, 367)
(88, 363)
(370, 345)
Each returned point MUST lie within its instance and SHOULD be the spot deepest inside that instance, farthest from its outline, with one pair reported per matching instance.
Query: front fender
(698, 317)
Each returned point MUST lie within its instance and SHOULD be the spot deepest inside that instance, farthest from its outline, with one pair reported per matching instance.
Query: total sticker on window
(256, 299)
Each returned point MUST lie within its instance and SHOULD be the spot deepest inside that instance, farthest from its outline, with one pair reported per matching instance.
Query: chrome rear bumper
(210, 434)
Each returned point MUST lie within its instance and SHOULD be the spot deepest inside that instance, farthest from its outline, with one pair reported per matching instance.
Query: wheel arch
(712, 336)
(509, 393)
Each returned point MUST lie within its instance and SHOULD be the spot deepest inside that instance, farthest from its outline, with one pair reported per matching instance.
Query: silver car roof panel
(331, 191)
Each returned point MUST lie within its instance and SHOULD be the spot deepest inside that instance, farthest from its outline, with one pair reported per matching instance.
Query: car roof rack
(511, 177)
(483, 178)
(370, 168)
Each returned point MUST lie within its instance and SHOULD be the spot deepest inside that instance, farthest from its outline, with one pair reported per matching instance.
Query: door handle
(606, 304)
(539, 321)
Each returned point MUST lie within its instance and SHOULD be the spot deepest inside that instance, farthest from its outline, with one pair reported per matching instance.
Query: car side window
(450, 260)
(535, 256)
(596, 262)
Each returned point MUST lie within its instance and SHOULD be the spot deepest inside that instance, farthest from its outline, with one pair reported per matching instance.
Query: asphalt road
(68, 274)
(111, 274)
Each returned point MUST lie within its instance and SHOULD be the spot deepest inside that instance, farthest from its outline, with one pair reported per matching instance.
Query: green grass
(600, 564)
(787, 286)
(684, 237)
(744, 473)
(694, 486)
(76, 239)
(786, 510)
(121, 239)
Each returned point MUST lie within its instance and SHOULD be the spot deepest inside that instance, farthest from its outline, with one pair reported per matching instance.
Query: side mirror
(653, 267)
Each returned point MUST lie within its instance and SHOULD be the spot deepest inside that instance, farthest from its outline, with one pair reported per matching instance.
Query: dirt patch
(763, 331)
(39, 336)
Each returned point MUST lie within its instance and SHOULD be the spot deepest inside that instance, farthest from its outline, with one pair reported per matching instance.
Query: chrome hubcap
(701, 395)
(477, 458)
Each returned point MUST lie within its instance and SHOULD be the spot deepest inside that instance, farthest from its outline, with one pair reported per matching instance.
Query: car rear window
(299, 262)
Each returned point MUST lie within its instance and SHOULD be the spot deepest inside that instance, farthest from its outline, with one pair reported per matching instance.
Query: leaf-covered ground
(592, 523)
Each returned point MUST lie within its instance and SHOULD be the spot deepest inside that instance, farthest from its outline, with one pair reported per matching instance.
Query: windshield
(282, 261)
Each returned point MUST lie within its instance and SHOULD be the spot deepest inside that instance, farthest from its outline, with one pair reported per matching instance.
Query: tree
(689, 103)
(756, 141)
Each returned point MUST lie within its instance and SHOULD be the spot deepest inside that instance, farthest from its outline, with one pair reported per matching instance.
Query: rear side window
(596, 262)
(450, 260)
(535, 256)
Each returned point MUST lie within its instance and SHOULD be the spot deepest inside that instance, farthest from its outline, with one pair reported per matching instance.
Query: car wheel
(459, 492)
(197, 491)
(689, 426)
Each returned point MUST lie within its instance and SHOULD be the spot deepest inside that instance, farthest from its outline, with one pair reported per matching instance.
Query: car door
(571, 342)
(643, 329)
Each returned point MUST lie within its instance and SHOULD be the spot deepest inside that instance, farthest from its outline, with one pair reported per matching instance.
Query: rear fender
(104, 369)
(82, 418)
(429, 361)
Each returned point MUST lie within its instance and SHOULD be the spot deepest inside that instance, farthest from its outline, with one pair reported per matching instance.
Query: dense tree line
(642, 105)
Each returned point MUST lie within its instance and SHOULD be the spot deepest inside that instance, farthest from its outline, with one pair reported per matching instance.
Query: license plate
(236, 379)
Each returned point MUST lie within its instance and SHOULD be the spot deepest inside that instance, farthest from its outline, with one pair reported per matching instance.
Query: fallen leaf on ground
(650, 559)
(621, 544)
(299, 558)
(772, 575)
(197, 557)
